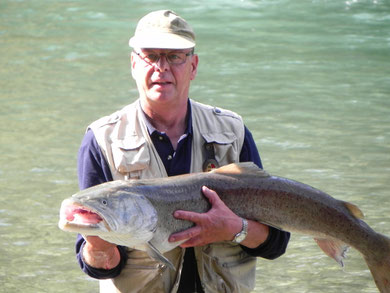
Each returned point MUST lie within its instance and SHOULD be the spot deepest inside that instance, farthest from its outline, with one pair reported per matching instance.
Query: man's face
(166, 80)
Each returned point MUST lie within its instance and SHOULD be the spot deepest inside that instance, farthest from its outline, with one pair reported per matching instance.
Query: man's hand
(218, 224)
(100, 254)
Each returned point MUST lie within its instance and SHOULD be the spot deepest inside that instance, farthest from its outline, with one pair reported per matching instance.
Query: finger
(211, 195)
(188, 215)
(186, 234)
(191, 243)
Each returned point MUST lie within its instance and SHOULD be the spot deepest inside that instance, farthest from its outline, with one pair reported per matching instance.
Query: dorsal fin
(241, 168)
(354, 210)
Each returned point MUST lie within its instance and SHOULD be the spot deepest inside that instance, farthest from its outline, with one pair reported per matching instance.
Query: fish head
(111, 212)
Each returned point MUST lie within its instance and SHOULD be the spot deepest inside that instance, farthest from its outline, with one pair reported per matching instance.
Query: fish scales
(257, 202)
(140, 212)
(257, 199)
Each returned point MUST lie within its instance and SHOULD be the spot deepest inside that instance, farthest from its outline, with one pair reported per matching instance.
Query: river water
(310, 78)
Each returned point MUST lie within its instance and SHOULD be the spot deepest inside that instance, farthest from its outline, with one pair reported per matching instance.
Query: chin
(161, 98)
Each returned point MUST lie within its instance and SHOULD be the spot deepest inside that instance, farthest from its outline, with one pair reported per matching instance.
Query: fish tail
(380, 267)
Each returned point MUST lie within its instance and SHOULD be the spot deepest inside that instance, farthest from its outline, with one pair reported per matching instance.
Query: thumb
(97, 243)
(211, 195)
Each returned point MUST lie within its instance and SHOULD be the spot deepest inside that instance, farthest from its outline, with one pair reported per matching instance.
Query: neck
(170, 119)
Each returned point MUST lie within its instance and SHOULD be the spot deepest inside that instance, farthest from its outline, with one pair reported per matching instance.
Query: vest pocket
(138, 274)
(130, 155)
(143, 274)
(225, 146)
(227, 268)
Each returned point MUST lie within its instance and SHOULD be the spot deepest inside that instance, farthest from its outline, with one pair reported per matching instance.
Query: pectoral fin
(157, 255)
(333, 248)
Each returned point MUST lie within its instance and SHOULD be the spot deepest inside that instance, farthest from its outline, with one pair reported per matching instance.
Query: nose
(162, 63)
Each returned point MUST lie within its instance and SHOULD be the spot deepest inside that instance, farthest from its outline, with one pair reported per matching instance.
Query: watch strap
(240, 236)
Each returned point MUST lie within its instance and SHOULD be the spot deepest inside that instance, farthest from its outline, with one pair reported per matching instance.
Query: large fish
(139, 213)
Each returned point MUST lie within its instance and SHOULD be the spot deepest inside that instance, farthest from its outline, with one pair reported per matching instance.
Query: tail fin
(380, 268)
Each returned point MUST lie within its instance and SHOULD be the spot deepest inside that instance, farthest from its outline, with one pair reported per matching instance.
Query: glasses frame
(163, 54)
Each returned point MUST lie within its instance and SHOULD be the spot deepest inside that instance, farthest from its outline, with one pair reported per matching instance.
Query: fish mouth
(74, 216)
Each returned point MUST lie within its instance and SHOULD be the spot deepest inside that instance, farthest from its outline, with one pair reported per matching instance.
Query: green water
(310, 78)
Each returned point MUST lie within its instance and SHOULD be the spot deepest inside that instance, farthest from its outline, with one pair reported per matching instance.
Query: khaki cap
(163, 29)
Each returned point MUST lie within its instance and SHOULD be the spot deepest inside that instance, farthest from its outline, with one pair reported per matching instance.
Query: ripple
(96, 15)
(4, 224)
(41, 170)
(21, 243)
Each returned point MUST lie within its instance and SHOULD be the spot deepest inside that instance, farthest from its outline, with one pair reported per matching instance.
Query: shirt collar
(152, 129)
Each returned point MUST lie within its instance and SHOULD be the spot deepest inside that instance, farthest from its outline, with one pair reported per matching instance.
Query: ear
(194, 64)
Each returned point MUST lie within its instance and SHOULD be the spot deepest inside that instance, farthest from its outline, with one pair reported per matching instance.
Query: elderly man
(164, 133)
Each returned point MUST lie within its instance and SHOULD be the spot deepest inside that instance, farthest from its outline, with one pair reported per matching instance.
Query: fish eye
(104, 202)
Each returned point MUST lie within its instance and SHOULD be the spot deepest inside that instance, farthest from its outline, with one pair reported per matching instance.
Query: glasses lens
(151, 57)
(176, 58)
(172, 57)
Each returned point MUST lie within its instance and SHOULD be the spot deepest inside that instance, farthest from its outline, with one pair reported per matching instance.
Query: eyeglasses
(174, 58)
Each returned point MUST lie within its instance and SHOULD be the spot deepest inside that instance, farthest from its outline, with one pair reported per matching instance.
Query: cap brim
(161, 41)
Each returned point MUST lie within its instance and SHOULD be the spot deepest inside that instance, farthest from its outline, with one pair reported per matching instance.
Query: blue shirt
(93, 170)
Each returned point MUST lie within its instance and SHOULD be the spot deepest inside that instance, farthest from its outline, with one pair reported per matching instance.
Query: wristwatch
(240, 236)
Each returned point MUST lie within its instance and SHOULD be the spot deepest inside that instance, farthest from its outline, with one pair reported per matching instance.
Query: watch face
(242, 235)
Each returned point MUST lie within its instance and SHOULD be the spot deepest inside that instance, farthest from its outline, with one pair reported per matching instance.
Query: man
(164, 133)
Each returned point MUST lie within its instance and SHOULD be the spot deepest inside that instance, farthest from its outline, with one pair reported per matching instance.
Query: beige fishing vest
(124, 140)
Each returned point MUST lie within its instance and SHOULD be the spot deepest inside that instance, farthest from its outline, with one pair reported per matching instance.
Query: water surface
(310, 78)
